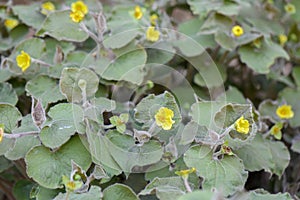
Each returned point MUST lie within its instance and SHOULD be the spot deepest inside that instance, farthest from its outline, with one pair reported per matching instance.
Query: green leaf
(264, 154)
(46, 194)
(296, 146)
(42, 162)
(120, 39)
(119, 191)
(193, 131)
(33, 18)
(214, 23)
(101, 154)
(291, 96)
(6, 145)
(128, 67)
(51, 49)
(225, 40)
(230, 113)
(160, 53)
(33, 46)
(128, 154)
(5, 74)
(227, 175)
(27, 125)
(267, 110)
(296, 75)
(189, 47)
(210, 75)
(169, 188)
(8, 94)
(93, 194)
(44, 88)
(196, 195)
(279, 150)
(16, 35)
(190, 27)
(21, 146)
(69, 83)
(232, 95)
(9, 116)
(21, 189)
(66, 119)
(261, 59)
(260, 194)
(5, 164)
(204, 113)
(148, 107)
(60, 26)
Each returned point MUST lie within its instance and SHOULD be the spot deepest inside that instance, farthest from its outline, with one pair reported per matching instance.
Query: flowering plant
(149, 99)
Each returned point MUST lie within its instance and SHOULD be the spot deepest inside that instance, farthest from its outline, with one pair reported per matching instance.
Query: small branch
(40, 62)
(108, 126)
(187, 185)
(226, 131)
(222, 59)
(152, 128)
(92, 35)
(17, 135)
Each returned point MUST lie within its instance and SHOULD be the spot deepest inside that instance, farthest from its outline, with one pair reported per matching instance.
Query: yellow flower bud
(138, 14)
(153, 19)
(11, 23)
(47, 7)
(282, 39)
(1, 133)
(276, 131)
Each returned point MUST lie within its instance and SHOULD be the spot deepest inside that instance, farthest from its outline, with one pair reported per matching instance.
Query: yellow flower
(79, 6)
(285, 112)
(1, 133)
(276, 131)
(23, 60)
(76, 16)
(153, 19)
(47, 7)
(11, 23)
(290, 8)
(152, 34)
(237, 31)
(242, 125)
(164, 117)
(282, 39)
(185, 173)
(71, 185)
(138, 14)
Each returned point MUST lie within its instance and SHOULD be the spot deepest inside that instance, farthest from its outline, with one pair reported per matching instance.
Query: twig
(17, 135)
(187, 185)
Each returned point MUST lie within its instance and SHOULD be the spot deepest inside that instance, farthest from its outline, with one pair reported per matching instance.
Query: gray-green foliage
(99, 82)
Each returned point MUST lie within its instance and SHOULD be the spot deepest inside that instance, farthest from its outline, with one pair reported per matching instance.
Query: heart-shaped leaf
(47, 167)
